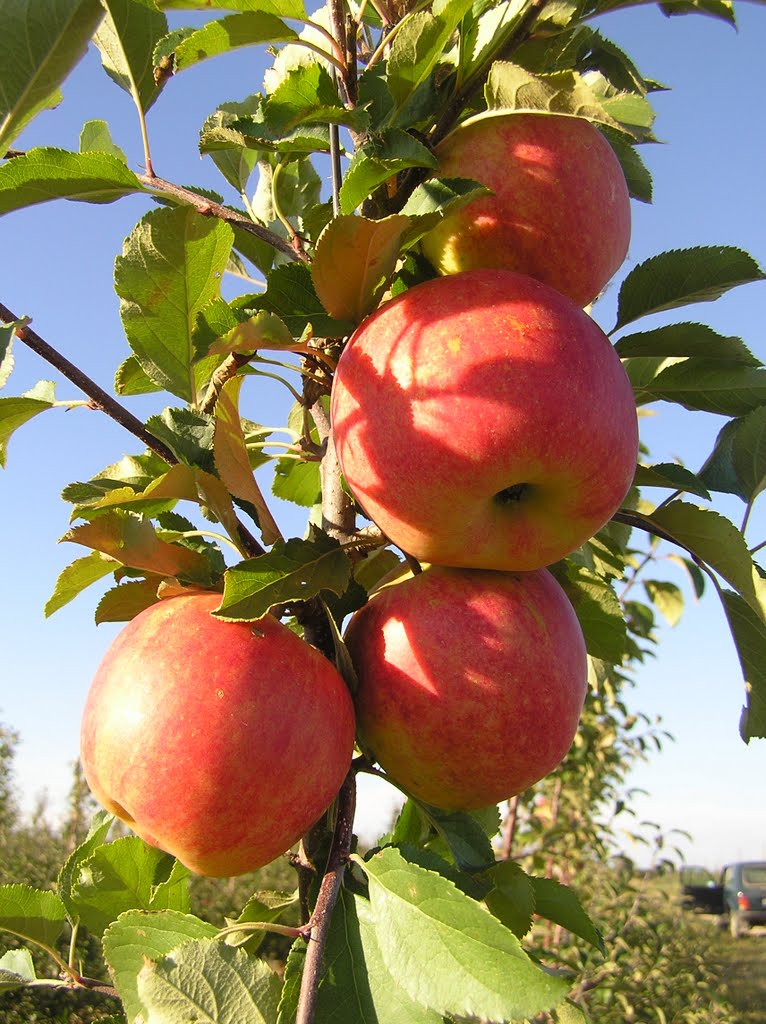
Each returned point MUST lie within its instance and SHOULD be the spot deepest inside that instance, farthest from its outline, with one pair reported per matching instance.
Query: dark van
(739, 896)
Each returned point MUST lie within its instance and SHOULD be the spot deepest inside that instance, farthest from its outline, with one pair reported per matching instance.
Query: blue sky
(57, 263)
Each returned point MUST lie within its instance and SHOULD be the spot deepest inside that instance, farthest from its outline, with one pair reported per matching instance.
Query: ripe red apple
(219, 742)
(484, 420)
(471, 682)
(560, 209)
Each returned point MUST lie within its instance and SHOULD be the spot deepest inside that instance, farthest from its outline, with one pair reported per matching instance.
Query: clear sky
(56, 264)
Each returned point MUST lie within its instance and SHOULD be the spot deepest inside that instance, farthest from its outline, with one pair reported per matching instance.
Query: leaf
(510, 87)
(42, 43)
(683, 276)
(748, 453)
(14, 412)
(131, 379)
(383, 156)
(188, 434)
(76, 577)
(466, 839)
(138, 936)
(122, 603)
(670, 475)
(127, 874)
(713, 539)
(45, 174)
(34, 914)
(232, 460)
(307, 95)
(292, 570)
(749, 632)
(296, 481)
(291, 295)
(170, 268)
(97, 833)
(560, 904)
(16, 969)
(7, 332)
(434, 199)
(282, 8)
(667, 598)
(693, 571)
(208, 982)
(598, 611)
(686, 339)
(708, 386)
(229, 33)
(476, 966)
(127, 38)
(263, 330)
(95, 137)
(718, 472)
(132, 541)
(355, 985)
(354, 262)
(419, 45)
(637, 175)
(512, 896)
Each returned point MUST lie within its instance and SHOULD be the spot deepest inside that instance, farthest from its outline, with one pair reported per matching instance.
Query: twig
(98, 397)
(209, 208)
(329, 891)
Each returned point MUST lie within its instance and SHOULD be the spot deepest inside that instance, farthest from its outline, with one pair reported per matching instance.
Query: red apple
(484, 420)
(560, 209)
(471, 682)
(219, 742)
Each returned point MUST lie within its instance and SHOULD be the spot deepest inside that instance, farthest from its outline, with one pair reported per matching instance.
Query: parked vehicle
(738, 897)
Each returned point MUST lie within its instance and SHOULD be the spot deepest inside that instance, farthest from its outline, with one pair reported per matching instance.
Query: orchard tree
(462, 437)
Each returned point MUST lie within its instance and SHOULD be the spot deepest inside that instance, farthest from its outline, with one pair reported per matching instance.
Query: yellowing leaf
(355, 259)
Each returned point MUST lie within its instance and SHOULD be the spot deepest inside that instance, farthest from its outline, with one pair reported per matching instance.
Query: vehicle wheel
(737, 927)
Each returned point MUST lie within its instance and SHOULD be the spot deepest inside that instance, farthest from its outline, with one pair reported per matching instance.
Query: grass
(745, 978)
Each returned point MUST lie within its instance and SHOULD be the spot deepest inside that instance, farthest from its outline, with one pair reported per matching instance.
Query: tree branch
(99, 399)
(209, 208)
(329, 891)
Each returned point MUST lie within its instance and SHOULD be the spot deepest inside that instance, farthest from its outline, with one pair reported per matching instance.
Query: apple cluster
(486, 424)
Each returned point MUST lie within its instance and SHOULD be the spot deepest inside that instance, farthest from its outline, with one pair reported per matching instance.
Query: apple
(471, 682)
(219, 742)
(483, 420)
(560, 208)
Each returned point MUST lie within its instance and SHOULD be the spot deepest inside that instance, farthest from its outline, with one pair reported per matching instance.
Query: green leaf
(122, 603)
(693, 571)
(354, 262)
(307, 95)
(45, 174)
(131, 379)
(749, 632)
(208, 982)
(127, 38)
(298, 482)
(229, 33)
(138, 936)
(512, 896)
(748, 453)
(127, 874)
(687, 339)
(560, 904)
(14, 412)
(263, 330)
(16, 970)
(513, 88)
(292, 570)
(718, 472)
(713, 539)
(34, 914)
(637, 175)
(42, 43)
(188, 434)
(7, 333)
(599, 612)
(467, 841)
(672, 476)
(667, 598)
(355, 985)
(282, 8)
(708, 386)
(95, 137)
(264, 906)
(683, 276)
(97, 833)
(76, 577)
(383, 156)
(476, 966)
(291, 295)
(170, 269)
(434, 199)
(419, 45)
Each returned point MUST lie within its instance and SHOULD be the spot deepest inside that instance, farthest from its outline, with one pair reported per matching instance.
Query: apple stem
(329, 891)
